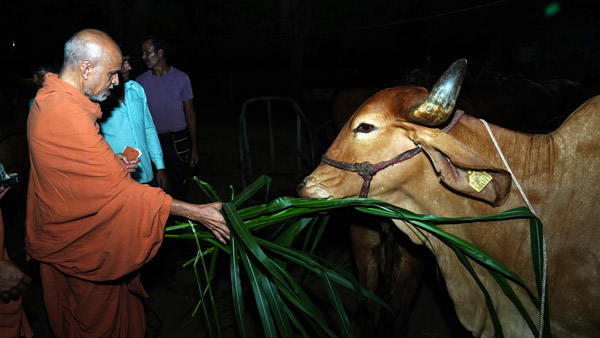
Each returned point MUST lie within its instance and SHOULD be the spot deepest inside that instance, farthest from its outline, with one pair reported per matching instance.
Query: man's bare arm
(190, 119)
(207, 214)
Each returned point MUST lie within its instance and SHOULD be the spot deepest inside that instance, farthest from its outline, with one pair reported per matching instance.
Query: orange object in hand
(131, 153)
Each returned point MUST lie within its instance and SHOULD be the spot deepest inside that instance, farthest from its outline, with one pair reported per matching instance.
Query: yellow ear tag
(478, 179)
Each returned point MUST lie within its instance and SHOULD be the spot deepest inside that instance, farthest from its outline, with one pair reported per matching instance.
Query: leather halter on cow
(556, 172)
(366, 170)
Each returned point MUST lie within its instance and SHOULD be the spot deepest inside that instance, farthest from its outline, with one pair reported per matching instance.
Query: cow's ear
(461, 169)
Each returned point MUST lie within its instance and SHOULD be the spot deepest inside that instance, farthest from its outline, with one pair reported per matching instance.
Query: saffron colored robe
(13, 323)
(88, 223)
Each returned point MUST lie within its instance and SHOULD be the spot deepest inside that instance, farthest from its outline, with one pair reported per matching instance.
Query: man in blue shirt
(130, 124)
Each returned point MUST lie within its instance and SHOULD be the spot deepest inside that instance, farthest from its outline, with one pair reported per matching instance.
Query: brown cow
(557, 172)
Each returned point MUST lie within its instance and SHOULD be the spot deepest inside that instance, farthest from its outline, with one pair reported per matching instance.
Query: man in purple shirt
(169, 94)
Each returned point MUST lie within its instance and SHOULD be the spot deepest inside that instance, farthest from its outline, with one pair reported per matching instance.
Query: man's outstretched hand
(207, 214)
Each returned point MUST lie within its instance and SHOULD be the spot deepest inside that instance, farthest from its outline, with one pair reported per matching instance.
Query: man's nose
(115, 80)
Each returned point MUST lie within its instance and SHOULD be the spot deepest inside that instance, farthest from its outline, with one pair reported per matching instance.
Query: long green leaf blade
(277, 306)
(236, 289)
(336, 301)
(208, 190)
(512, 296)
(537, 254)
(488, 300)
(260, 297)
(251, 190)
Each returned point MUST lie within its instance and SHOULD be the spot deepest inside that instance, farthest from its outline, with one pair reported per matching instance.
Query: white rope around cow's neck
(544, 258)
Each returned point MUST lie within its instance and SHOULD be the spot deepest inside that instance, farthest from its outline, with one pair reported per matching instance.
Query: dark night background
(234, 50)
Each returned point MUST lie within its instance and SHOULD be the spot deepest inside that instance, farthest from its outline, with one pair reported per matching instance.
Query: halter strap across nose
(366, 170)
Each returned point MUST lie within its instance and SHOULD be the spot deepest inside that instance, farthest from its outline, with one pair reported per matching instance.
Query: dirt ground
(169, 308)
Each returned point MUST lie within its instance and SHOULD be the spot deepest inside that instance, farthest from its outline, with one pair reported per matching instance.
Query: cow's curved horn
(439, 105)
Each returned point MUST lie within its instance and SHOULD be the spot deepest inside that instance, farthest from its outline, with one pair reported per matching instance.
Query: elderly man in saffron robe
(89, 224)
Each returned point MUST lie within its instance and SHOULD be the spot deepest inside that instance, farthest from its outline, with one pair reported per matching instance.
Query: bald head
(89, 45)
(92, 61)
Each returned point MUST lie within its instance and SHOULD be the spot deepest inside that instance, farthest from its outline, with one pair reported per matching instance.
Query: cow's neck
(529, 156)
(431, 197)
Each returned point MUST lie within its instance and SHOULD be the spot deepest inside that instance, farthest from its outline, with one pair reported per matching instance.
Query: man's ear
(160, 53)
(85, 68)
(461, 169)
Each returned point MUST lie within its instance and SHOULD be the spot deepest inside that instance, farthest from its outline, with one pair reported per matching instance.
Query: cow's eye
(364, 128)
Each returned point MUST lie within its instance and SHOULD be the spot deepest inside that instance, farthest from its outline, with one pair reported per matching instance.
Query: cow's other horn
(439, 105)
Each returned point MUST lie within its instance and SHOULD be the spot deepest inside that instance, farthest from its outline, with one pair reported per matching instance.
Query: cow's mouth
(310, 189)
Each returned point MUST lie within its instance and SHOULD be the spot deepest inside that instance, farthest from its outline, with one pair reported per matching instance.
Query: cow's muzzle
(310, 188)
